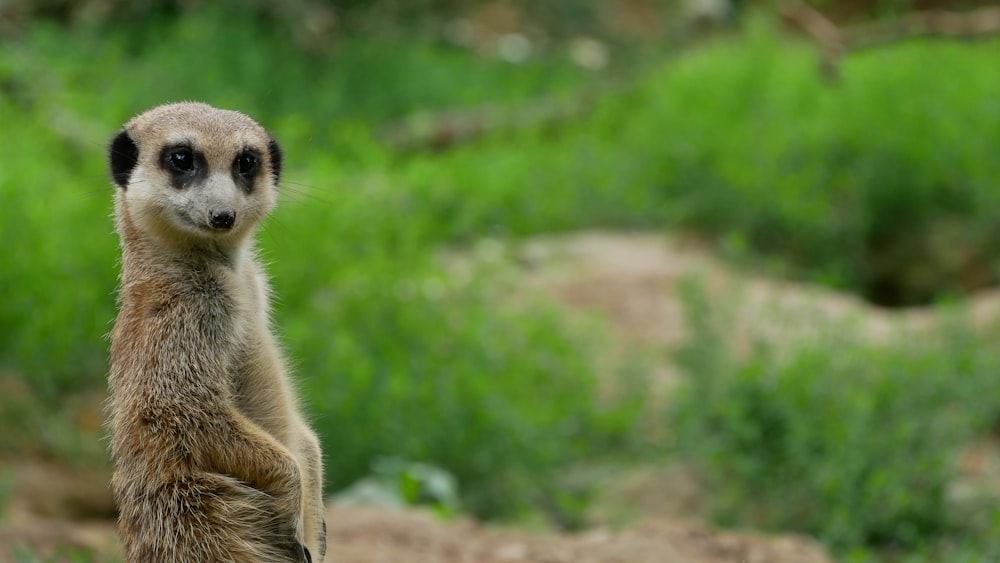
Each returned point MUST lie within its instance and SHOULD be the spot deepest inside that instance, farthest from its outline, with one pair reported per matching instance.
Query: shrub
(882, 184)
(400, 358)
(851, 442)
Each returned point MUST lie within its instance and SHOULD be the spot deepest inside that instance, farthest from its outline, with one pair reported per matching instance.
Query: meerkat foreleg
(314, 519)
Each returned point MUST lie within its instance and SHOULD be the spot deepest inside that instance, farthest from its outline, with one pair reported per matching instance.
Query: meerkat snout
(221, 219)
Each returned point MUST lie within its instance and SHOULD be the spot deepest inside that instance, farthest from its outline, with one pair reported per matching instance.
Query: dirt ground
(631, 279)
(367, 535)
(59, 513)
(385, 535)
(58, 506)
(634, 280)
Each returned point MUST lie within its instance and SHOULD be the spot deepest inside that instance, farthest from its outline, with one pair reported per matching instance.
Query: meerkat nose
(221, 219)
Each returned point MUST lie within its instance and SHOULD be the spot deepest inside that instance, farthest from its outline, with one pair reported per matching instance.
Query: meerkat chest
(262, 390)
(260, 380)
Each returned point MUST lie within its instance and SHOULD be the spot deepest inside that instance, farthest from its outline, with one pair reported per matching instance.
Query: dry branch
(442, 129)
(835, 42)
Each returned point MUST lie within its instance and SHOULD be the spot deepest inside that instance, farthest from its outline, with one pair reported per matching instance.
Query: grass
(851, 442)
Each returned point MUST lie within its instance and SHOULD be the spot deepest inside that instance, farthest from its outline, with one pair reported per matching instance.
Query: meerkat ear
(276, 158)
(123, 154)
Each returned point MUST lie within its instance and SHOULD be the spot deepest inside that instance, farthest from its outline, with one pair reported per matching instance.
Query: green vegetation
(883, 184)
(852, 442)
(396, 482)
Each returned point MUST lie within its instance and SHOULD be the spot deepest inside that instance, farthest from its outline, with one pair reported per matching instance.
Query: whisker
(302, 185)
(304, 191)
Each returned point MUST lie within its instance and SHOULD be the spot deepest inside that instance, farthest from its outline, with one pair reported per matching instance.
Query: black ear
(123, 154)
(276, 159)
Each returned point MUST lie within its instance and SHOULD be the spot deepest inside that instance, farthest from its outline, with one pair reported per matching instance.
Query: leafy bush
(396, 483)
(58, 262)
(399, 359)
(853, 443)
(882, 184)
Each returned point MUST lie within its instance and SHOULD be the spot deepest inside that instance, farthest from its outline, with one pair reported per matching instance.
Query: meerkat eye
(246, 164)
(180, 160)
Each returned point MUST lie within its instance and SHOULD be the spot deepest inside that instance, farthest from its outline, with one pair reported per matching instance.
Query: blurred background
(711, 275)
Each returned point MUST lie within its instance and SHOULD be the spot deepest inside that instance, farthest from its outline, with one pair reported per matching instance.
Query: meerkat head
(192, 173)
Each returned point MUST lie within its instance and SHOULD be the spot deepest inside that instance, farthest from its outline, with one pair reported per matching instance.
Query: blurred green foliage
(396, 482)
(324, 20)
(24, 554)
(883, 184)
(850, 441)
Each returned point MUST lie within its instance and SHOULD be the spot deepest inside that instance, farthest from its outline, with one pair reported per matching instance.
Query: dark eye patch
(183, 164)
(181, 160)
(246, 164)
(245, 168)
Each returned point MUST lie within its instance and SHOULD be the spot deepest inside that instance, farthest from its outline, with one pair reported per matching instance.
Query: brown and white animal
(213, 460)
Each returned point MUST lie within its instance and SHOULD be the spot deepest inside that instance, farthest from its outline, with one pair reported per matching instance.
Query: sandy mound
(371, 535)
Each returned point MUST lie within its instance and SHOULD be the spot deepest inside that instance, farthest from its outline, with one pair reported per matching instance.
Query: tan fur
(213, 459)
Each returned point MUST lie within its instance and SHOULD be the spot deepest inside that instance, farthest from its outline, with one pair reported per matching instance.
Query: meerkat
(213, 460)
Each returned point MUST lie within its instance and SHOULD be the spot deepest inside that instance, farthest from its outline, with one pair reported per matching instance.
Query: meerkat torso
(213, 460)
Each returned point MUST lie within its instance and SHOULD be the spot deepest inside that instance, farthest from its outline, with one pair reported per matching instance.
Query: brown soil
(370, 535)
(633, 280)
(60, 514)
(377, 535)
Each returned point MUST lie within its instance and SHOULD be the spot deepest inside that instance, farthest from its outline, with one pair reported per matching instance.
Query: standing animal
(213, 459)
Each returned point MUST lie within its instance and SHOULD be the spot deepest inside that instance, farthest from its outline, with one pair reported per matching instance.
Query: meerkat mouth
(210, 225)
